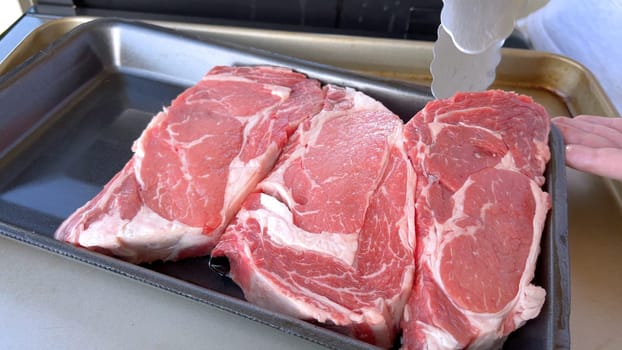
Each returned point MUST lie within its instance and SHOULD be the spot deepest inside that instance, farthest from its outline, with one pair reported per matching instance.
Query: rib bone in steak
(194, 164)
(480, 211)
(328, 237)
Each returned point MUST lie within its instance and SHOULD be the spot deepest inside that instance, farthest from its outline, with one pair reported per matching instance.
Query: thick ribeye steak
(194, 164)
(480, 212)
(328, 235)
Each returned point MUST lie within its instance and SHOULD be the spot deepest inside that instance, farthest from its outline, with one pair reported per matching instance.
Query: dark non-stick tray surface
(69, 117)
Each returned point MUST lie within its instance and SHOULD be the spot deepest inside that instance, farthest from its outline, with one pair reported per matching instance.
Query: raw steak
(480, 212)
(194, 164)
(328, 236)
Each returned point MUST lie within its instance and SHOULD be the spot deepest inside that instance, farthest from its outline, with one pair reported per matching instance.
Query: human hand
(593, 144)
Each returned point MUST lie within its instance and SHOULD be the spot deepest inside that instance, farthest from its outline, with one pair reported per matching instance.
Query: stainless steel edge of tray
(563, 86)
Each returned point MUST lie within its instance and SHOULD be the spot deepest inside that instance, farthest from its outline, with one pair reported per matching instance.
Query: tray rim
(13, 59)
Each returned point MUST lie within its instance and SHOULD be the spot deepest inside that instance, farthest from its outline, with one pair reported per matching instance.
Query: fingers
(593, 144)
(611, 122)
(605, 161)
(591, 131)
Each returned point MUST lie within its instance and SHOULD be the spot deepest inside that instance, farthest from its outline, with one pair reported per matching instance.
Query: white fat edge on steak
(77, 223)
(435, 338)
(138, 147)
(276, 219)
(73, 234)
(363, 102)
(450, 113)
(270, 295)
(232, 74)
(395, 140)
(145, 233)
(407, 223)
(543, 154)
(438, 339)
(534, 296)
(243, 175)
(436, 127)
(406, 233)
(264, 292)
(281, 91)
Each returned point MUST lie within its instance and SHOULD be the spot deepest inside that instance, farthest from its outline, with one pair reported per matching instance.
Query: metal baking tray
(90, 94)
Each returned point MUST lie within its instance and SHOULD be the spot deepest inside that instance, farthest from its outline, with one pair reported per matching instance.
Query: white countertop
(51, 302)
